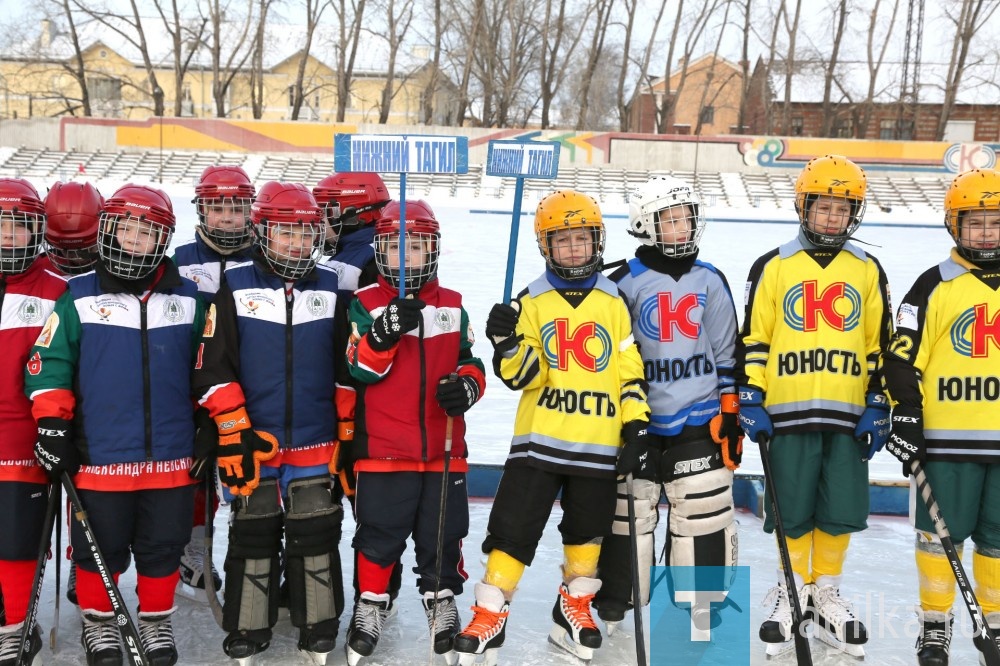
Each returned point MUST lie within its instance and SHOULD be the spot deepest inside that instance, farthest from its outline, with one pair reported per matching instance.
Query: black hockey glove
(342, 466)
(206, 442)
(906, 438)
(400, 316)
(54, 449)
(457, 394)
(501, 324)
(636, 456)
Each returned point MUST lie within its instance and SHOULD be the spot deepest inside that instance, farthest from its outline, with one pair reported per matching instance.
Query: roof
(979, 83)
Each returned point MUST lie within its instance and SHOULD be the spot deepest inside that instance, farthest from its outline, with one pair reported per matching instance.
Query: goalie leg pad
(702, 529)
(312, 566)
(615, 564)
(252, 572)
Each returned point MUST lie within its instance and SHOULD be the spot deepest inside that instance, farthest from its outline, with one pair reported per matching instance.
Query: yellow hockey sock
(937, 582)
(580, 561)
(503, 571)
(986, 571)
(828, 553)
(798, 552)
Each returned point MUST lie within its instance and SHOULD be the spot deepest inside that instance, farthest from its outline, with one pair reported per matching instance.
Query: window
(889, 129)
(291, 95)
(798, 126)
(105, 89)
(843, 128)
(707, 116)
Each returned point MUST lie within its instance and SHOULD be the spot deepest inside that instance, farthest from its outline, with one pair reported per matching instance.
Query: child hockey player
(938, 374)
(222, 201)
(28, 292)
(122, 340)
(72, 211)
(413, 360)
(684, 323)
(566, 343)
(271, 355)
(817, 317)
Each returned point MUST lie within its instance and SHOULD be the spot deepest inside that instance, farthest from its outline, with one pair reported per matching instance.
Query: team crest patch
(445, 320)
(173, 310)
(30, 311)
(316, 304)
(252, 301)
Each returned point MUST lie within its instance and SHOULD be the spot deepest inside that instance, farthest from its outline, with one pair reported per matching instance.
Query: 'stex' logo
(589, 345)
(805, 305)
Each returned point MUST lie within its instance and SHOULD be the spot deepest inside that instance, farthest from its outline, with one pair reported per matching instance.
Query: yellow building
(36, 78)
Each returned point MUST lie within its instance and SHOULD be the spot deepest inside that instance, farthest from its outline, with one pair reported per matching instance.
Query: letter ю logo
(659, 316)
(805, 305)
(589, 345)
(974, 330)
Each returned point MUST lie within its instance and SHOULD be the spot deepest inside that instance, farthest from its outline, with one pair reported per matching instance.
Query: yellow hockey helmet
(833, 176)
(568, 209)
(978, 189)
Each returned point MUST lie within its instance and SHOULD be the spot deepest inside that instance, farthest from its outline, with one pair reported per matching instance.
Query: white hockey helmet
(661, 193)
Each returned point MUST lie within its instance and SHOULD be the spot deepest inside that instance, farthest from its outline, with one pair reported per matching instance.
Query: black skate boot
(101, 639)
(156, 634)
(935, 637)
(612, 613)
(776, 630)
(574, 629)
(318, 640)
(10, 641)
(443, 623)
(243, 644)
(370, 614)
(484, 635)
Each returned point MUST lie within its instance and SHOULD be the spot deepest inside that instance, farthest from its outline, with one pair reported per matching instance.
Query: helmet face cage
(20, 240)
(291, 249)
(657, 207)
(225, 221)
(130, 246)
(557, 215)
(422, 252)
(832, 176)
(970, 199)
(72, 261)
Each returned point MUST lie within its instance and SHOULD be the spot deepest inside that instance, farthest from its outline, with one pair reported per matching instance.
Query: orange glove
(342, 466)
(241, 451)
(726, 431)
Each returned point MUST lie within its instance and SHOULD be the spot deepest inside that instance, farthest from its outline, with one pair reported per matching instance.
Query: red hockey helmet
(22, 225)
(423, 239)
(288, 225)
(72, 213)
(359, 195)
(223, 197)
(136, 226)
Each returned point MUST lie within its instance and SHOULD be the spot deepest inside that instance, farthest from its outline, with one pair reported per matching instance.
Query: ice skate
(318, 640)
(776, 630)
(10, 641)
(612, 613)
(834, 618)
(370, 613)
(934, 640)
(157, 637)
(192, 567)
(574, 630)
(443, 624)
(243, 645)
(482, 638)
(101, 639)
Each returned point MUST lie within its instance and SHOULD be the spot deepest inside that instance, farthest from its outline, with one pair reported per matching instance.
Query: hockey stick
(206, 575)
(802, 654)
(982, 636)
(449, 424)
(126, 626)
(58, 558)
(51, 511)
(640, 637)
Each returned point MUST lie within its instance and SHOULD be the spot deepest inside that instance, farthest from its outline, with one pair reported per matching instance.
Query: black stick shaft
(51, 511)
(640, 636)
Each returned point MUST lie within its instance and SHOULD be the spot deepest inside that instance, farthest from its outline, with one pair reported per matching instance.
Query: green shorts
(820, 481)
(968, 494)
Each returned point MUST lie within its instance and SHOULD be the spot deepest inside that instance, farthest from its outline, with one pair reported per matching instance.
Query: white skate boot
(776, 630)
(834, 618)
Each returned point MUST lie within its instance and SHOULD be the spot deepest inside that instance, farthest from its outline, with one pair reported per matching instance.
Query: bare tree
(185, 36)
(314, 11)
(398, 16)
(973, 14)
(874, 61)
(230, 47)
(349, 19)
(431, 89)
(257, 60)
(464, 26)
(75, 66)
(744, 66)
(556, 57)
(602, 9)
(624, 105)
(710, 75)
(830, 68)
(792, 30)
(694, 26)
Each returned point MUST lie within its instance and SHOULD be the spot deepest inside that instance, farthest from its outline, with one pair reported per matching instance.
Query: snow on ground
(879, 572)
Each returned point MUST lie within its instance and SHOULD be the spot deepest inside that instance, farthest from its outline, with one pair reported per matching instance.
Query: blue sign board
(383, 153)
(522, 159)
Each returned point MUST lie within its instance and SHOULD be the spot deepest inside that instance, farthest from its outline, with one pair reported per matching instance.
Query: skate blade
(353, 658)
(318, 658)
(245, 661)
(195, 594)
(487, 658)
(610, 628)
(850, 649)
(775, 650)
(450, 657)
(562, 640)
